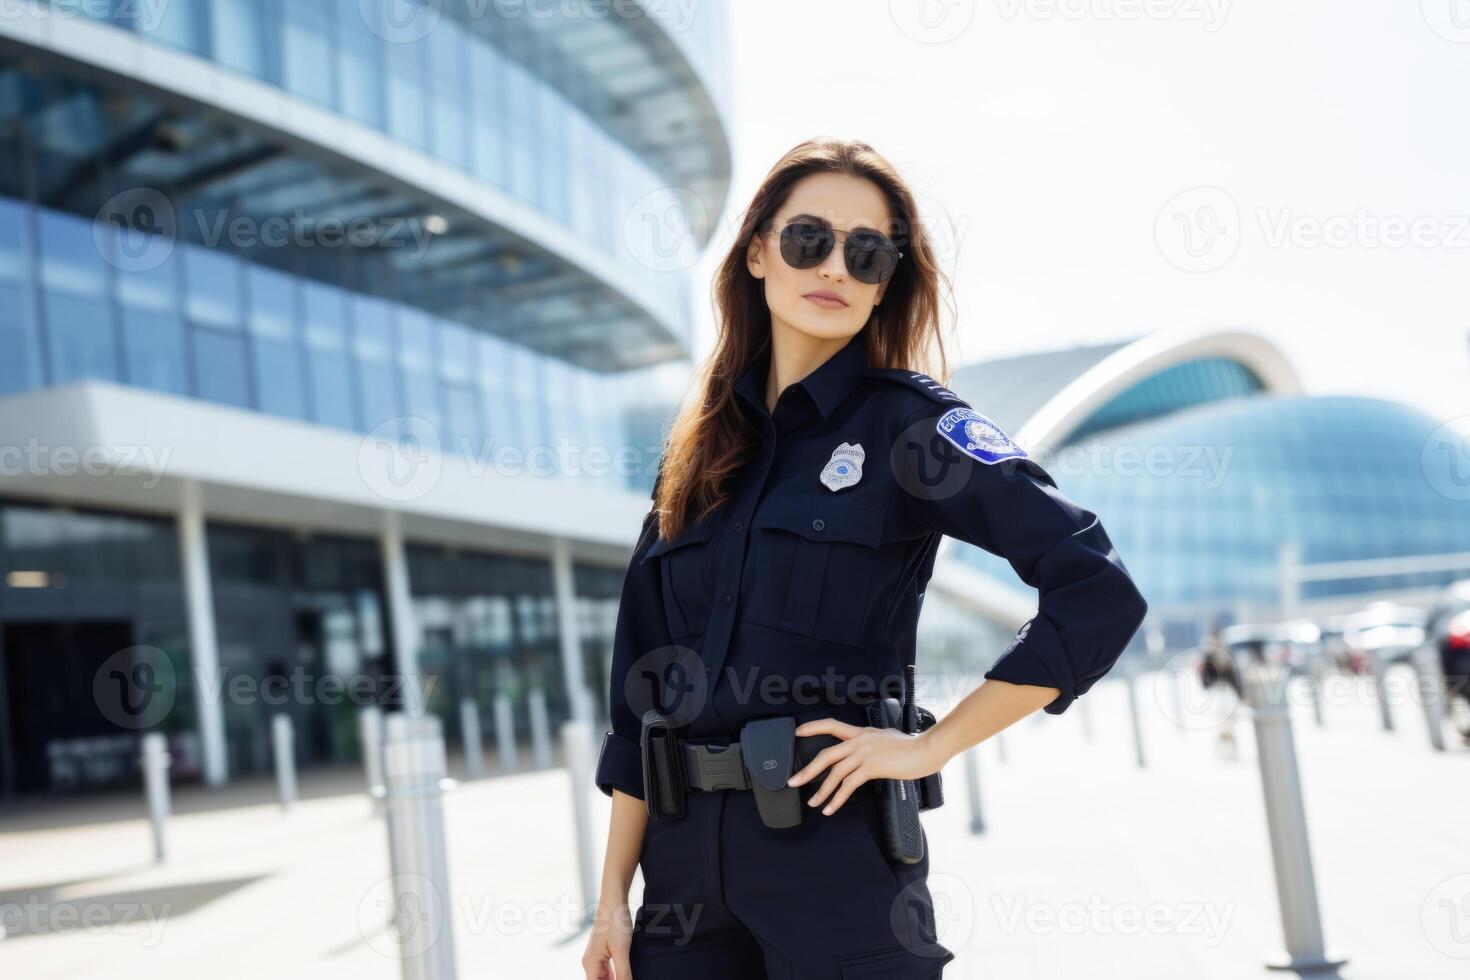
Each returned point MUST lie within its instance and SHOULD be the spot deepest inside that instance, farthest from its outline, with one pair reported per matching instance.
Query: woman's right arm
(641, 628)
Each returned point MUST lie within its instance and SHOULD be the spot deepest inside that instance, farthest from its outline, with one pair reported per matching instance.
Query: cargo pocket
(816, 557)
(687, 576)
(923, 962)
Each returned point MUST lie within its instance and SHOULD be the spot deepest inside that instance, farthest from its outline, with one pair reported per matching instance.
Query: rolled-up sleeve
(1088, 606)
(640, 627)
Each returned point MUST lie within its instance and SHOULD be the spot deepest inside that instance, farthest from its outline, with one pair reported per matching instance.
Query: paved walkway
(1090, 867)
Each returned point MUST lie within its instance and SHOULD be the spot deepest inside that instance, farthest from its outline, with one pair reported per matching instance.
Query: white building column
(203, 638)
(400, 614)
(565, 592)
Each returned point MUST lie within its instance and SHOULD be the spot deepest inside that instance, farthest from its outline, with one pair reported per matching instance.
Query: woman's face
(825, 301)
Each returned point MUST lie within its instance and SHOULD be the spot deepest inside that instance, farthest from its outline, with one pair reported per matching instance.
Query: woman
(779, 575)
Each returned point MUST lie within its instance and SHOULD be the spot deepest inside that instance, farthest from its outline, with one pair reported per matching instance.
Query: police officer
(779, 574)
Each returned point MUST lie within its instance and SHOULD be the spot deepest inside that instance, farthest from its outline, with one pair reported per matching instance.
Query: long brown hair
(711, 438)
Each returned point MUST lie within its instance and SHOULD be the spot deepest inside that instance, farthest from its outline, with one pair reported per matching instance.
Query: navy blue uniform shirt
(801, 593)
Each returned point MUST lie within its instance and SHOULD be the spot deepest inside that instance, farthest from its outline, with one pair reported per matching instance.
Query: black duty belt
(761, 759)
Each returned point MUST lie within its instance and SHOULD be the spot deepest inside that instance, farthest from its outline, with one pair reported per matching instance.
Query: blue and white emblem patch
(844, 468)
(978, 436)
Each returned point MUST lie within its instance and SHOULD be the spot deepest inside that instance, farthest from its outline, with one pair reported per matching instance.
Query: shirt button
(818, 524)
(739, 526)
(728, 598)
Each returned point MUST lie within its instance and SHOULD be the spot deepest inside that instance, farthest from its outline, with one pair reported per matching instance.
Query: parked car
(1389, 631)
(1290, 643)
(1448, 630)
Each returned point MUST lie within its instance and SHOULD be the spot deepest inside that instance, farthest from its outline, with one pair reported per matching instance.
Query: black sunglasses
(870, 255)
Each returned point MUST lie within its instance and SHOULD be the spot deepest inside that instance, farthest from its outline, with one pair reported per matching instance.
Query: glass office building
(1203, 458)
(336, 339)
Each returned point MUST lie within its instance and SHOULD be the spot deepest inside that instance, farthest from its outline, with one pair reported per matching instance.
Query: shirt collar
(828, 385)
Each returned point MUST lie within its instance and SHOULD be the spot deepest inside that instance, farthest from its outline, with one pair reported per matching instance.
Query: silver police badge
(844, 468)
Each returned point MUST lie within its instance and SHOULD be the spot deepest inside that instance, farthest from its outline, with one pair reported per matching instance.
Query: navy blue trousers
(727, 897)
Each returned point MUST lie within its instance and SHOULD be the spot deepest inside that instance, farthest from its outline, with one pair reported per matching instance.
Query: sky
(1093, 170)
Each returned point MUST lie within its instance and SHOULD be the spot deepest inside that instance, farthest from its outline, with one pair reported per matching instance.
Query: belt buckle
(717, 767)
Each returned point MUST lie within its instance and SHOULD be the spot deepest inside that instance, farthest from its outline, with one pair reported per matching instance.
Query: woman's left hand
(864, 753)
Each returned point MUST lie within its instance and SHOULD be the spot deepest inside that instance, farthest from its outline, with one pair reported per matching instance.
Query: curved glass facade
(1194, 382)
(205, 324)
(1199, 502)
(195, 200)
(451, 94)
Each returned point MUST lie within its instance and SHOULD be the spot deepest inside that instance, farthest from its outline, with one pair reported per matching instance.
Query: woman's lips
(826, 302)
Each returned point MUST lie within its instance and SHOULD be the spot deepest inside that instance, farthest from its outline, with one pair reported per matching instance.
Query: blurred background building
(1204, 459)
(244, 245)
(337, 338)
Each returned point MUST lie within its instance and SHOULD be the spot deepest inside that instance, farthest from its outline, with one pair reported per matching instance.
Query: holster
(664, 781)
(898, 799)
(931, 788)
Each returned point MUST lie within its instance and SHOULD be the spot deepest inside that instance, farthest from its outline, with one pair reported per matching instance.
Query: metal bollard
(283, 741)
(1431, 683)
(505, 733)
(1314, 691)
(156, 762)
(1000, 748)
(370, 736)
(414, 769)
(972, 789)
(576, 740)
(469, 733)
(1131, 679)
(540, 729)
(1286, 820)
(1380, 681)
(1177, 680)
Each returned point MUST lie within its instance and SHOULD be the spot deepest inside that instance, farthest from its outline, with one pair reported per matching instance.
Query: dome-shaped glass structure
(1200, 501)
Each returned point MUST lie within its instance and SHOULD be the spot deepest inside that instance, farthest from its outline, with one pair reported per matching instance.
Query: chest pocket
(686, 572)
(816, 563)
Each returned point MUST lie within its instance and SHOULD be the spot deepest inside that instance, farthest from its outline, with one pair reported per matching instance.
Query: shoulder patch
(978, 436)
(921, 382)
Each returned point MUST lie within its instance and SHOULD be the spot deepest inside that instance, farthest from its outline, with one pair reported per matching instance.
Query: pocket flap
(692, 534)
(918, 962)
(824, 519)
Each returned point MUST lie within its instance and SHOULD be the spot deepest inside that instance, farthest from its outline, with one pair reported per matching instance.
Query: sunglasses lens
(804, 244)
(871, 258)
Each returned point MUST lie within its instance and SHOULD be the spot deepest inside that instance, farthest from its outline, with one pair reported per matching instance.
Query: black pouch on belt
(768, 747)
(664, 782)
